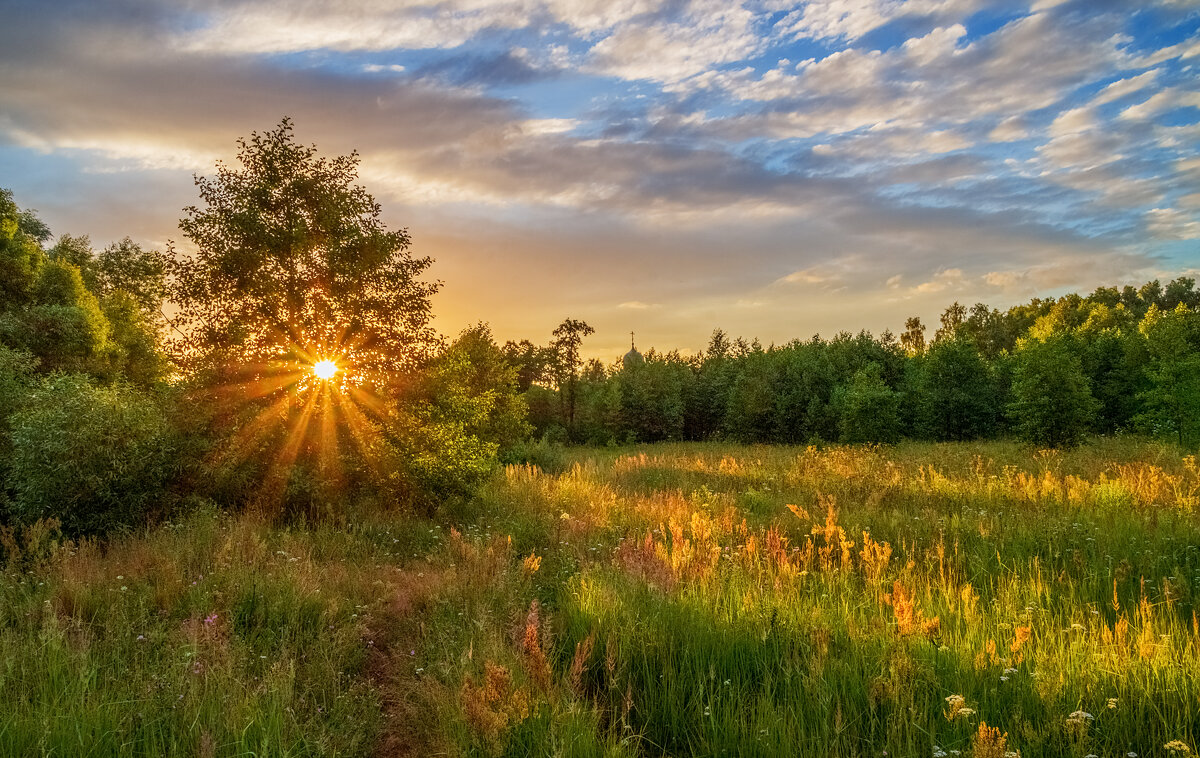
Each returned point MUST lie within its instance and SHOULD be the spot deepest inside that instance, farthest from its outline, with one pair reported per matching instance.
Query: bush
(96, 458)
(546, 454)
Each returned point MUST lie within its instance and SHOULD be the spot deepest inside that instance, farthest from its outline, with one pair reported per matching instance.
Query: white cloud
(710, 33)
(946, 279)
(1172, 224)
(1010, 129)
(638, 305)
(1160, 102)
(1124, 87)
(851, 19)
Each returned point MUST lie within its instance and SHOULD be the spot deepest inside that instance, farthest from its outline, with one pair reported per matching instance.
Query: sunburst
(306, 407)
(325, 369)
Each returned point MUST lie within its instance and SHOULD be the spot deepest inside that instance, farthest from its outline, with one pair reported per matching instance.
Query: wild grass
(690, 599)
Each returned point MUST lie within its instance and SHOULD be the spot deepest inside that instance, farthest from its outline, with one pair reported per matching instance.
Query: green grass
(663, 600)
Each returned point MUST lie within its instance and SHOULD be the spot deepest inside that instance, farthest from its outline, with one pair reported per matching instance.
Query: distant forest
(1120, 360)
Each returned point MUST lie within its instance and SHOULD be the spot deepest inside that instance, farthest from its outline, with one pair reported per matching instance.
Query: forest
(252, 503)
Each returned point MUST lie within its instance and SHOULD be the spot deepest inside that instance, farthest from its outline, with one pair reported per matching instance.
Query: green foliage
(750, 413)
(474, 369)
(140, 274)
(64, 328)
(16, 377)
(443, 438)
(292, 260)
(20, 256)
(954, 391)
(651, 397)
(1172, 401)
(1052, 404)
(96, 458)
(134, 345)
(870, 409)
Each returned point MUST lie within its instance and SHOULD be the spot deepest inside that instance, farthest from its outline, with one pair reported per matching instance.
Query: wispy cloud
(823, 163)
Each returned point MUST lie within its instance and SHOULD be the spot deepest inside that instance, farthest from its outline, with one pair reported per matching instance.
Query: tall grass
(692, 599)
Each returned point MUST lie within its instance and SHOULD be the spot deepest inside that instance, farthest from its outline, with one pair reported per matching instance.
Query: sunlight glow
(325, 369)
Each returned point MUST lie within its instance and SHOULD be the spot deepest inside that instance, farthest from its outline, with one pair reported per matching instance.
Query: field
(698, 599)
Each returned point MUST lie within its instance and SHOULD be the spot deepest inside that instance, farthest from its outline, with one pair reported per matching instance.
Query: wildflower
(210, 620)
(938, 752)
(1131, 754)
(1079, 720)
(141, 637)
(1177, 747)
(1112, 703)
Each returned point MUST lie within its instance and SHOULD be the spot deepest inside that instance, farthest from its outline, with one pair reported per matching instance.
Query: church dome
(633, 357)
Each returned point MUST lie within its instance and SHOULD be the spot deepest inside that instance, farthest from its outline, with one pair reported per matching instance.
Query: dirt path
(409, 727)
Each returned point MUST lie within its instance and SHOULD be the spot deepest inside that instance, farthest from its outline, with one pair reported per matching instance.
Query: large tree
(568, 338)
(292, 268)
(1052, 403)
(291, 264)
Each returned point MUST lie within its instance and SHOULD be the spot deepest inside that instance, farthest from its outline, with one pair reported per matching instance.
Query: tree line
(1050, 371)
(136, 383)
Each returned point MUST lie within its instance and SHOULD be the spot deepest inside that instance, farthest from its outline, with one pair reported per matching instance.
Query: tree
(20, 256)
(292, 263)
(952, 318)
(912, 339)
(568, 338)
(63, 326)
(954, 392)
(1172, 402)
(1052, 403)
(651, 396)
(869, 408)
(530, 361)
(446, 430)
(125, 267)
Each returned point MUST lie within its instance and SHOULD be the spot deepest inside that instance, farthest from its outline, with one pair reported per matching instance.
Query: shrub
(96, 458)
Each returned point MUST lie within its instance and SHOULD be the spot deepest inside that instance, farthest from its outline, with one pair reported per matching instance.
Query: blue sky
(775, 169)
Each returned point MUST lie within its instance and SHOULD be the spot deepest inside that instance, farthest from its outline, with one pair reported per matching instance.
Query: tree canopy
(292, 262)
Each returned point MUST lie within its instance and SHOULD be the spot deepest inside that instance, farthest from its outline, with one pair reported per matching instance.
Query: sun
(325, 369)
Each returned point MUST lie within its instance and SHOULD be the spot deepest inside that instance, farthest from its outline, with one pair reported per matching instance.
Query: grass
(690, 599)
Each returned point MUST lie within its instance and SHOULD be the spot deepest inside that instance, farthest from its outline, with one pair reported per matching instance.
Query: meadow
(974, 599)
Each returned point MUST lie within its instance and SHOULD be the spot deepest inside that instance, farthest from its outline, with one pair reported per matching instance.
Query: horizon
(773, 172)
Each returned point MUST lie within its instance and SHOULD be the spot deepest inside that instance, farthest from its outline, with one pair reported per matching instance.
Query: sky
(774, 169)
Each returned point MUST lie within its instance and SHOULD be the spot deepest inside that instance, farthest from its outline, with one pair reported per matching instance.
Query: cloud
(899, 152)
(638, 305)
(1125, 87)
(1172, 224)
(708, 33)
